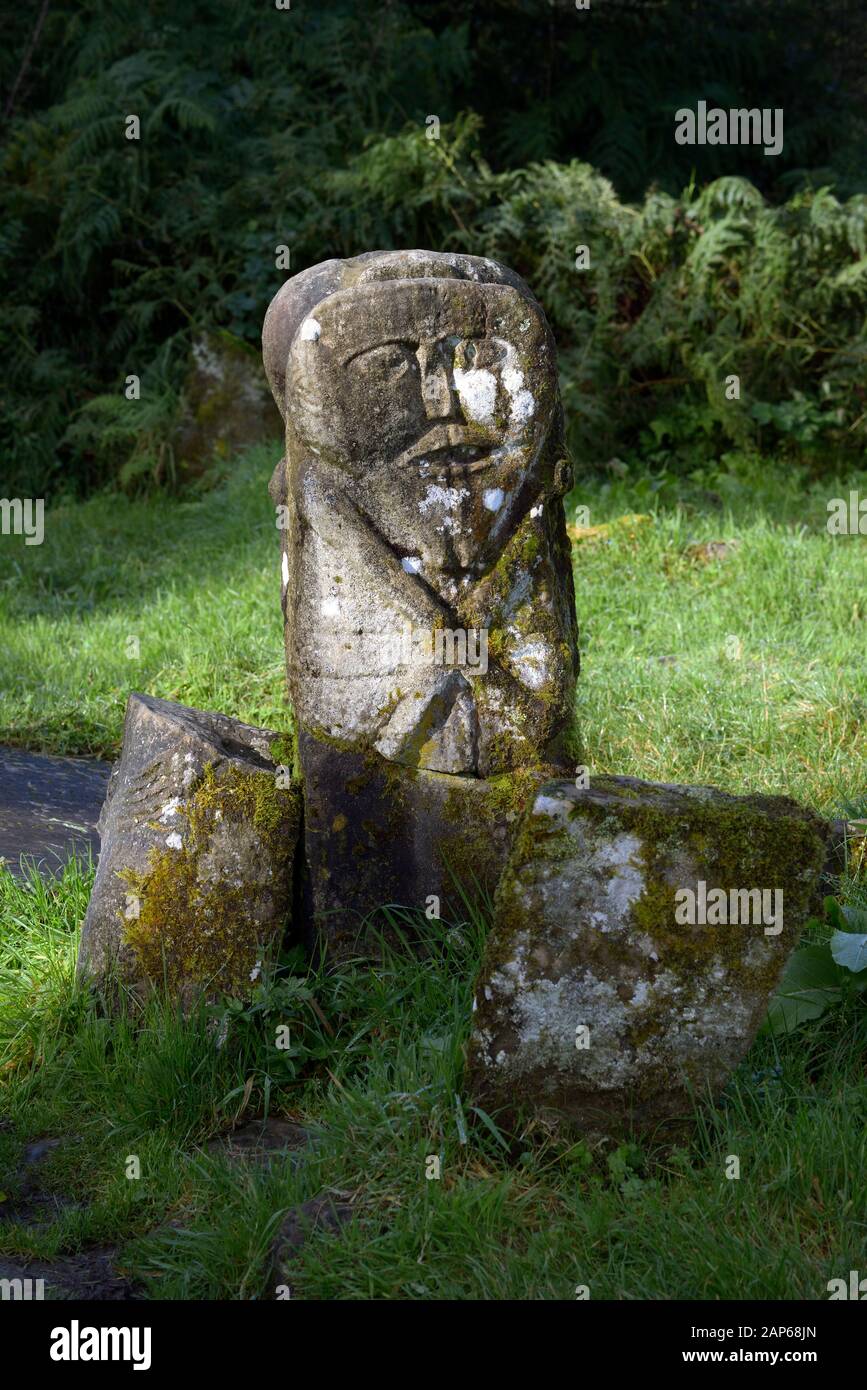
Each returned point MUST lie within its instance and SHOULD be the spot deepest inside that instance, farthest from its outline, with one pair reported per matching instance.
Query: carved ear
(290, 305)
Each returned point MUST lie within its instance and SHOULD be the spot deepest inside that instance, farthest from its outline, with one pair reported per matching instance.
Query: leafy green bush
(306, 128)
(683, 293)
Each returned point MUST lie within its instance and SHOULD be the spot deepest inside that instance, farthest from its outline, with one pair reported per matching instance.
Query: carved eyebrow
(372, 347)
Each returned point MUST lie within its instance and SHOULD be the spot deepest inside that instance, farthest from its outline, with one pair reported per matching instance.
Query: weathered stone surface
(422, 491)
(427, 583)
(89, 1276)
(225, 405)
(199, 830)
(263, 1141)
(587, 936)
(377, 832)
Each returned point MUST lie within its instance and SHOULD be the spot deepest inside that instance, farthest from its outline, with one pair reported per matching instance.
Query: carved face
(435, 397)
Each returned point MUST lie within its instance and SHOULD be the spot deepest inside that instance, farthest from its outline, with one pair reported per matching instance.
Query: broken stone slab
(199, 830)
(378, 833)
(639, 932)
(262, 1141)
(91, 1275)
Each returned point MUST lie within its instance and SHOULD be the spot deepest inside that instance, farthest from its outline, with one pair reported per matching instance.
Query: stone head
(428, 383)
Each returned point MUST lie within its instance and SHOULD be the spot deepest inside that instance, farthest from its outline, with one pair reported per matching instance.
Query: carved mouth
(459, 456)
(450, 447)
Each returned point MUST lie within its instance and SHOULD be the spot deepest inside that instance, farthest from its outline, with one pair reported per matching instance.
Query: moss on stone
(748, 842)
(284, 752)
(203, 921)
(500, 801)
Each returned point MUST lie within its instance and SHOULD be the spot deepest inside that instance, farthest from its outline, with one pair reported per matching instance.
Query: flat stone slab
(322, 1213)
(640, 930)
(49, 808)
(262, 1141)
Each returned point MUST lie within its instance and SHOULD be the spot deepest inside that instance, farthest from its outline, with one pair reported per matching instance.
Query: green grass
(382, 1082)
(659, 698)
(195, 583)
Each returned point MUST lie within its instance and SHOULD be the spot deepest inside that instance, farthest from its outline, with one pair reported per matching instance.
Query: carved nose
(437, 388)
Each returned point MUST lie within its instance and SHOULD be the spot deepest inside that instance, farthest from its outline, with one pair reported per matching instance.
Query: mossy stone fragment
(608, 996)
(199, 831)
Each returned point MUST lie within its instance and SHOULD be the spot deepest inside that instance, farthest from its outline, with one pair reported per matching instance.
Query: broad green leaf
(811, 983)
(809, 968)
(788, 1011)
(849, 949)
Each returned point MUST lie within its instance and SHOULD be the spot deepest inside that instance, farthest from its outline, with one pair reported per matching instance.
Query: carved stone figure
(427, 584)
(427, 581)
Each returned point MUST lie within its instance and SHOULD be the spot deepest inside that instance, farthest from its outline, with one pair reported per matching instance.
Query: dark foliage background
(306, 127)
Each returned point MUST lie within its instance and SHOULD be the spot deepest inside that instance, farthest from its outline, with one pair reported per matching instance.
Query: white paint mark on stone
(477, 389)
(530, 659)
(174, 841)
(553, 806)
(493, 498)
(523, 404)
(330, 607)
(310, 330)
(447, 497)
(284, 569)
(411, 563)
(448, 500)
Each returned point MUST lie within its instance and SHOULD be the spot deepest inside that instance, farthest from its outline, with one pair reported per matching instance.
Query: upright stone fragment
(379, 833)
(225, 406)
(639, 932)
(427, 583)
(199, 830)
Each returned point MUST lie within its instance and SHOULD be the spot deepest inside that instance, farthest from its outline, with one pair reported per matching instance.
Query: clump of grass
(377, 1072)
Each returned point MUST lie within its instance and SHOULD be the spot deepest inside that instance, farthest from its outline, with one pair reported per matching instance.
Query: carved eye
(386, 363)
(481, 353)
(465, 353)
